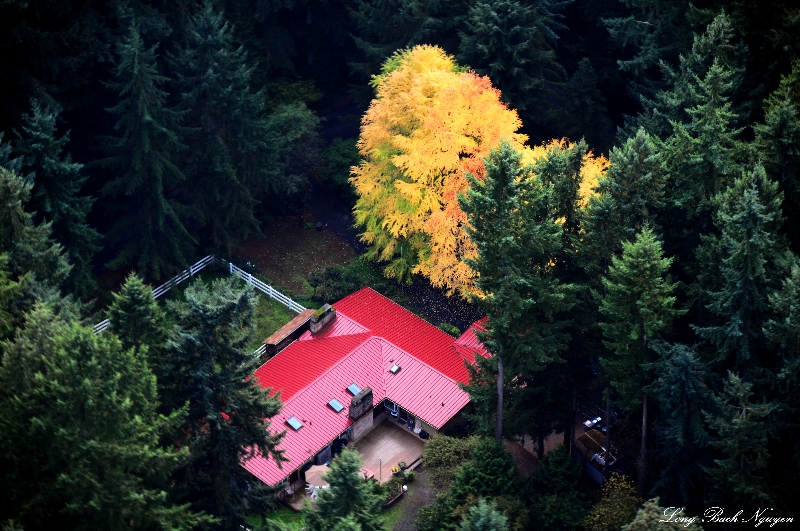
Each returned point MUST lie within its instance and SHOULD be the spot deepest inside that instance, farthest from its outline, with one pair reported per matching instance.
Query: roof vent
(354, 389)
(294, 423)
(336, 405)
(394, 368)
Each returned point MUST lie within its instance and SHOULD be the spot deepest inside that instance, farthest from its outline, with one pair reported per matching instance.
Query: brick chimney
(361, 403)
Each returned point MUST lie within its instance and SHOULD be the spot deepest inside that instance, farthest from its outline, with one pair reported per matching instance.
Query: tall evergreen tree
(10, 291)
(778, 145)
(229, 413)
(57, 182)
(682, 394)
(351, 502)
(28, 244)
(583, 113)
(555, 498)
(752, 263)
(147, 230)
(517, 238)
(742, 428)
(229, 128)
(385, 26)
(514, 44)
(136, 318)
(638, 307)
(79, 433)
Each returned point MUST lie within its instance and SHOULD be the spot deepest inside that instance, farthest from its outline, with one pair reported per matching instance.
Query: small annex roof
(369, 335)
(468, 345)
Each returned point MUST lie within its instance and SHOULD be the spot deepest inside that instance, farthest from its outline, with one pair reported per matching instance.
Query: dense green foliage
(351, 502)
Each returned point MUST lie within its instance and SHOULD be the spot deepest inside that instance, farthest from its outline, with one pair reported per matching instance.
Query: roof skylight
(354, 389)
(336, 405)
(394, 368)
(294, 423)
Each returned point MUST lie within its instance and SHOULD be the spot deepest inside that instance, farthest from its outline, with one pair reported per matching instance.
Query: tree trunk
(606, 471)
(498, 427)
(643, 458)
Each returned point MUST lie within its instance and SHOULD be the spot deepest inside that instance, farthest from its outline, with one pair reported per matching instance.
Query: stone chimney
(361, 403)
(321, 317)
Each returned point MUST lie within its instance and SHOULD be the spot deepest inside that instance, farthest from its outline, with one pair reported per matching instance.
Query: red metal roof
(387, 319)
(369, 334)
(468, 344)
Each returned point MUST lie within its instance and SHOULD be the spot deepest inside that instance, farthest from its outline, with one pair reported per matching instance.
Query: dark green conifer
(57, 182)
(351, 502)
(484, 517)
(229, 413)
(778, 145)
(147, 230)
(228, 140)
(750, 264)
(514, 44)
(637, 306)
(682, 393)
(742, 428)
(517, 238)
(28, 245)
(79, 433)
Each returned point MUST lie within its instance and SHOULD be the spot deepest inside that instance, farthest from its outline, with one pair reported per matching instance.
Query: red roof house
(373, 343)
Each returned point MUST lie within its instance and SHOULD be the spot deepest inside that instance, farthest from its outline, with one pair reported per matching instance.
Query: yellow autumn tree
(429, 124)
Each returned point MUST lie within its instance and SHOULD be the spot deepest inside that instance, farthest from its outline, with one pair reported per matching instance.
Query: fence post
(250, 278)
(230, 268)
(270, 292)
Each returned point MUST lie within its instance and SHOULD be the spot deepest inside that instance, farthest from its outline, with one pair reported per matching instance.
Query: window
(354, 389)
(294, 423)
(336, 405)
(394, 368)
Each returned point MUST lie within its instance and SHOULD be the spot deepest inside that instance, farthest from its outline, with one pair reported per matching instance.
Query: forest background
(140, 136)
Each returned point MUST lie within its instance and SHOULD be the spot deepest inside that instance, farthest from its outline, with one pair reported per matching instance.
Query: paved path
(419, 495)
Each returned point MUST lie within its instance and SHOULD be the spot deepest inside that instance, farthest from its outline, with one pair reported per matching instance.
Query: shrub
(443, 456)
(339, 157)
(617, 507)
(334, 283)
(449, 329)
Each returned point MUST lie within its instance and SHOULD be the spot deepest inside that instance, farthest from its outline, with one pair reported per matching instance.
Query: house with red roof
(368, 357)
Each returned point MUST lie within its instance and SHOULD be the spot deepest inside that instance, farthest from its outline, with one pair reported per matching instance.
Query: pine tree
(682, 393)
(742, 429)
(514, 44)
(57, 181)
(229, 413)
(584, 114)
(140, 323)
(230, 130)
(351, 502)
(653, 517)
(28, 244)
(517, 239)
(638, 306)
(79, 433)
(635, 180)
(752, 261)
(484, 517)
(489, 472)
(10, 292)
(556, 500)
(147, 230)
(386, 26)
(778, 144)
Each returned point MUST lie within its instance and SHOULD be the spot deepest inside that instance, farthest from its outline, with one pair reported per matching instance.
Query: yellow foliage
(428, 125)
(617, 507)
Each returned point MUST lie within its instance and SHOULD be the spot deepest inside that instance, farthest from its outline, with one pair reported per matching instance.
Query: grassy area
(391, 516)
(269, 316)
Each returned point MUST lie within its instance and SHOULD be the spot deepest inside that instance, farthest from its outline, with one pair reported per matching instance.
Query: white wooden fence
(271, 292)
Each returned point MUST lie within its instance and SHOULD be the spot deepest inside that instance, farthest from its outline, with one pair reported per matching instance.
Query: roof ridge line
(329, 369)
(419, 360)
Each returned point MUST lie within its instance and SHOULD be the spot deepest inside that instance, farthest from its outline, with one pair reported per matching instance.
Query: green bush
(339, 157)
(449, 329)
(334, 283)
(444, 455)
